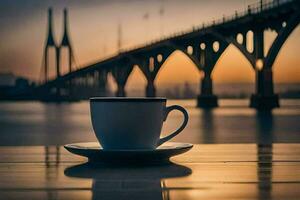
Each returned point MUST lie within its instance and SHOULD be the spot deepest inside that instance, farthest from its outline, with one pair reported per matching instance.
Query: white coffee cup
(131, 123)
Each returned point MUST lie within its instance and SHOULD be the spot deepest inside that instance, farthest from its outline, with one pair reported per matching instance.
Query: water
(35, 123)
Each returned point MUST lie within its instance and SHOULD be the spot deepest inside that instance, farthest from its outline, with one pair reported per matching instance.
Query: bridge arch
(136, 82)
(240, 47)
(282, 36)
(177, 65)
(226, 68)
(188, 51)
(286, 68)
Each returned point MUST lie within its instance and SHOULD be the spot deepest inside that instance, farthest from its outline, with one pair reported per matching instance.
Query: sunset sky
(93, 30)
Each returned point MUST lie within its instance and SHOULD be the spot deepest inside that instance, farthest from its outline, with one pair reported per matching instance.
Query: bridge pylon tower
(50, 43)
(65, 43)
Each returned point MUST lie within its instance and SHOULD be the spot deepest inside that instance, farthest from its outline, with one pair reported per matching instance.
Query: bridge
(203, 45)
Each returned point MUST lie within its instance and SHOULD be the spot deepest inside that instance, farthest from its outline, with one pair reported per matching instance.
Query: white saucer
(95, 153)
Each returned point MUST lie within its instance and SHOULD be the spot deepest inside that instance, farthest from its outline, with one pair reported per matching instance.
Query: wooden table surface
(212, 171)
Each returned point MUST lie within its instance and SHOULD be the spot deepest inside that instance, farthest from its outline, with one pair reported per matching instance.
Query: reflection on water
(52, 161)
(52, 155)
(207, 122)
(264, 154)
(264, 171)
(265, 124)
(111, 182)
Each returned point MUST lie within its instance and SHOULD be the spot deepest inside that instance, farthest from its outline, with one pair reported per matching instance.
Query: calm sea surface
(35, 123)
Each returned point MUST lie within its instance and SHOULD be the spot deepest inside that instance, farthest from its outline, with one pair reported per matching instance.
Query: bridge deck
(237, 171)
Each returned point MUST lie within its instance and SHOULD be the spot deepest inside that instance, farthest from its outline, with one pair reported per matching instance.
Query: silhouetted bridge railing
(203, 46)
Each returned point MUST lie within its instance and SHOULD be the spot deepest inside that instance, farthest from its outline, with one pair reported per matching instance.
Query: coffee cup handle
(183, 125)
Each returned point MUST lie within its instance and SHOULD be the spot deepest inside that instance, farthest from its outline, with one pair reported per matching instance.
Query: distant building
(22, 83)
(11, 85)
(7, 79)
(188, 92)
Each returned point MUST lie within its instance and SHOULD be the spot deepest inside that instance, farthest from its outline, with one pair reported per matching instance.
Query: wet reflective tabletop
(208, 171)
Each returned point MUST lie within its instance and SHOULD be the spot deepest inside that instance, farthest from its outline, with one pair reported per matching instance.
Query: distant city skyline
(223, 90)
(93, 31)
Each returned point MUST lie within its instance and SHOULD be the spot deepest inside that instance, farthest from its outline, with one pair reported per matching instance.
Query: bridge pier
(102, 83)
(150, 89)
(207, 99)
(58, 92)
(102, 91)
(70, 85)
(264, 98)
(121, 91)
